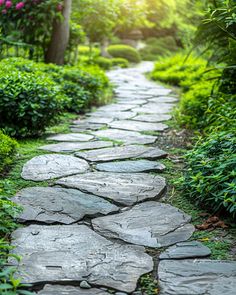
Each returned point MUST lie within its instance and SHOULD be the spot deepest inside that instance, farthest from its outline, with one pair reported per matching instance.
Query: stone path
(99, 226)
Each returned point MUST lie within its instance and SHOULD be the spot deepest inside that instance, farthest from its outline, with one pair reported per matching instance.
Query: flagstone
(52, 166)
(123, 188)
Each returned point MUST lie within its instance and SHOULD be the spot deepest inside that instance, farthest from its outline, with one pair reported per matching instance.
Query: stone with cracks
(138, 126)
(97, 120)
(74, 253)
(52, 204)
(113, 115)
(133, 101)
(123, 188)
(161, 99)
(84, 126)
(152, 108)
(125, 136)
(52, 166)
(122, 152)
(192, 249)
(152, 118)
(131, 166)
(69, 290)
(71, 137)
(68, 147)
(197, 277)
(150, 224)
(117, 107)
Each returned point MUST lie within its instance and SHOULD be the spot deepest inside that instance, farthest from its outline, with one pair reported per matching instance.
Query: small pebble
(85, 285)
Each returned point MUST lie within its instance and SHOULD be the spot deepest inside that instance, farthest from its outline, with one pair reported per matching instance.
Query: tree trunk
(103, 47)
(60, 37)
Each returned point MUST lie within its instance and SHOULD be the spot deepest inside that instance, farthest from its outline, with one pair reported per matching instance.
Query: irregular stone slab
(86, 126)
(73, 253)
(98, 120)
(117, 107)
(161, 99)
(127, 137)
(159, 91)
(197, 277)
(71, 137)
(53, 204)
(131, 166)
(152, 118)
(67, 147)
(129, 101)
(52, 166)
(192, 249)
(152, 108)
(138, 126)
(122, 152)
(113, 115)
(150, 224)
(123, 188)
(132, 95)
(69, 290)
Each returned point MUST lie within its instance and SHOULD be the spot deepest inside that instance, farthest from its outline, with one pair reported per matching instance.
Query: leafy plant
(149, 285)
(121, 62)
(124, 51)
(103, 62)
(210, 176)
(29, 102)
(7, 150)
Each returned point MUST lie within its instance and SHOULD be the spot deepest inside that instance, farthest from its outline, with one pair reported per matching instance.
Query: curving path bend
(91, 232)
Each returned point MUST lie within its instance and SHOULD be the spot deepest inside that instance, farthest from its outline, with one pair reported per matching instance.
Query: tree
(98, 18)
(60, 36)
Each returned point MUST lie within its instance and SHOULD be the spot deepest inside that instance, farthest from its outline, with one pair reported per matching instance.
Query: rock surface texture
(52, 204)
(122, 152)
(96, 228)
(150, 224)
(123, 188)
(74, 253)
(70, 290)
(53, 166)
(197, 277)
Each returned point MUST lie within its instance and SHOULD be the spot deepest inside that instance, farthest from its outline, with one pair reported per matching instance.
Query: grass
(28, 148)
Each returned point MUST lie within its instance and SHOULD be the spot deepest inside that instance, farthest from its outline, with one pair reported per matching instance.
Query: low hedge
(124, 51)
(33, 94)
(120, 62)
(8, 149)
(29, 102)
(103, 62)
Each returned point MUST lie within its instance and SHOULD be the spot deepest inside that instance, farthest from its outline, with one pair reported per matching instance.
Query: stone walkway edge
(93, 231)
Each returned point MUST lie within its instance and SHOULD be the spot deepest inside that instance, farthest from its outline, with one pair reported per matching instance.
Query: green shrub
(178, 68)
(8, 148)
(121, 62)
(103, 62)
(86, 50)
(81, 86)
(193, 105)
(124, 51)
(29, 102)
(156, 47)
(210, 177)
(221, 113)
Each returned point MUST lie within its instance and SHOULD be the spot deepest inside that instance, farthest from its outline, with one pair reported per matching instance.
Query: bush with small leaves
(210, 176)
(103, 62)
(8, 149)
(124, 51)
(120, 62)
(29, 102)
